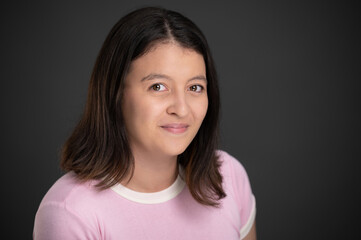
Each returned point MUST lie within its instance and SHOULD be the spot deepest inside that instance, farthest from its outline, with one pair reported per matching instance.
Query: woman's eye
(196, 88)
(158, 87)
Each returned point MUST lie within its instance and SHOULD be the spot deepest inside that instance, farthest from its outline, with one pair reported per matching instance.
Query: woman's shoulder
(238, 188)
(67, 189)
(229, 162)
(67, 208)
(231, 169)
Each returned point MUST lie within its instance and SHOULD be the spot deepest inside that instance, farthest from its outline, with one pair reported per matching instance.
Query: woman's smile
(176, 128)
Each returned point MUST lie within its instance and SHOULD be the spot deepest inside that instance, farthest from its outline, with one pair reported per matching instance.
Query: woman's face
(165, 99)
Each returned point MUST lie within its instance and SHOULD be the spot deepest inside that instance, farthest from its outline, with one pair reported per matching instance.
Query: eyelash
(160, 84)
(200, 86)
(156, 84)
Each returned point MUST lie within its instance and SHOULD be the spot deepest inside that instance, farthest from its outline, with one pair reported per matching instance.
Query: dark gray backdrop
(289, 73)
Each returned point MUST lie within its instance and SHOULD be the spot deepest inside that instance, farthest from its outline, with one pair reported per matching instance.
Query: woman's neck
(152, 173)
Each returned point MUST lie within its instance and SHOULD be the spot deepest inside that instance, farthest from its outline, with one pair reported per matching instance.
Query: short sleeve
(244, 196)
(54, 221)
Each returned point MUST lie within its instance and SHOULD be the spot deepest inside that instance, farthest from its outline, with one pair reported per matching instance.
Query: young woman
(143, 163)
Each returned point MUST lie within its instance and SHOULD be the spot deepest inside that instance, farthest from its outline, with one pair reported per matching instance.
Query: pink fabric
(71, 210)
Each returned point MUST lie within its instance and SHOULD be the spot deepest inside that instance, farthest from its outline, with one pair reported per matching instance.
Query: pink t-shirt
(73, 210)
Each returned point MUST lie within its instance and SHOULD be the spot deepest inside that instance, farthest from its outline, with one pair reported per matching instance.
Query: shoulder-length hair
(99, 149)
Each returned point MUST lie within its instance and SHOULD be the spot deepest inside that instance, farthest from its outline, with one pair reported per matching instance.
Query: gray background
(288, 71)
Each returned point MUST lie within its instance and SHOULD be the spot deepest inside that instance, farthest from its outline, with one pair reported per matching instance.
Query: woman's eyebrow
(154, 76)
(199, 77)
(163, 76)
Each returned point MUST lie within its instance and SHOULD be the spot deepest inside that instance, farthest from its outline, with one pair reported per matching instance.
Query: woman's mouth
(175, 128)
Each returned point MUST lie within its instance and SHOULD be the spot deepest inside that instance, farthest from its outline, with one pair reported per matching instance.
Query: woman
(142, 162)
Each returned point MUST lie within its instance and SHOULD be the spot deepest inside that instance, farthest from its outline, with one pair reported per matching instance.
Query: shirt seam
(65, 207)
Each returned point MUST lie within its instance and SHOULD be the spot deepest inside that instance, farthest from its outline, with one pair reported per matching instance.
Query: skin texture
(252, 233)
(165, 86)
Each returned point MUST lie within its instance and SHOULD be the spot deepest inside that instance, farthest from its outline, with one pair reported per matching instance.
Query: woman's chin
(174, 150)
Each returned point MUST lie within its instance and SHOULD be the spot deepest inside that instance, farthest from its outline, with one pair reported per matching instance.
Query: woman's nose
(178, 105)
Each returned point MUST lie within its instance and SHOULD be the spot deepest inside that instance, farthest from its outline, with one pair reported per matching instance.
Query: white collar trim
(151, 198)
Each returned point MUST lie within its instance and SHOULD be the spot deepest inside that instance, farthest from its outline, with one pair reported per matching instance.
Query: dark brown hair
(99, 149)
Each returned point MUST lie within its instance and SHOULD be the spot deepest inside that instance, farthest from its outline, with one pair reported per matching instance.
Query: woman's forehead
(168, 59)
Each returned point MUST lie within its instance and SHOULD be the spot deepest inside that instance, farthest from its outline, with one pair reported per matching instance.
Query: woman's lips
(175, 127)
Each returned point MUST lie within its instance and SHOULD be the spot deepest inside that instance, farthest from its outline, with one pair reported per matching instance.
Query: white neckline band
(151, 198)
